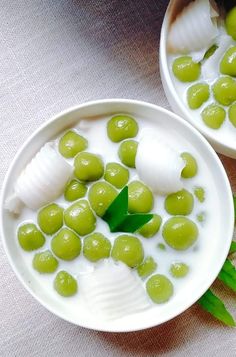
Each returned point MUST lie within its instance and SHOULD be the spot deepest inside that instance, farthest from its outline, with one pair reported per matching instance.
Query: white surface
(59, 53)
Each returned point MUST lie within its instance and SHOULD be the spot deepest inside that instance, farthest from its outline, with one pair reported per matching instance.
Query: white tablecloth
(58, 53)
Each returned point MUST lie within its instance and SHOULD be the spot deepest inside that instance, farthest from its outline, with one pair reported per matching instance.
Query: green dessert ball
(80, 218)
(66, 244)
(197, 95)
(185, 69)
(228, 62)
(116, 174)
(199, 192)
(179, 203)
(191, 168)
(159, 288)
(140, 198)
(230, 23)
(74, 190)
(127, 152)
(101, 195)
(96, 247)
(88, 167)
(45, 262)
(149, 229)
(213, 116)
(224, 90)
(65, 284)
(71, 143)
(50, 218)
(180, 233)
(147, 267)
(29, 237)
(179, 270)
(121, 127)
(232, 114)
(128, 249)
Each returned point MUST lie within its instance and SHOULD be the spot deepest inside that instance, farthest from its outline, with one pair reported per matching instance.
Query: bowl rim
(175, 102)
(54, 118)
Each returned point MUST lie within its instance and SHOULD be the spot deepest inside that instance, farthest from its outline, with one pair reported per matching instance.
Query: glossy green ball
(128, 249)
(88, 167)
(179, 270)
(66, 244)
(232, 114)
(213, 116)
(101, 195)
(29, 237)
(179, 203)
(185, 69)
(224, 90)
(159, 288)
(149, 229)
(80, 218)
(74, 190)
(197, 95)
(45, 262)
(65, 284)
(96, 247)
(116, 174)
(50, 218)
(147, 267)
(180, 233)
(140, 198)
(230, 22)
(127, 152)
(71, 143)
(228, 62)
(121, 127)
(191, 168)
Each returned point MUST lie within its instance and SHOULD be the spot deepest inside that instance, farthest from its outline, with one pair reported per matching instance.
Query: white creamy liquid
(195, 257)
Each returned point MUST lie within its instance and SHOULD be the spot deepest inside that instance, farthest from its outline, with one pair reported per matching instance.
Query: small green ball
(65, 284)
(127, 152)
(128, 249)
(232, 114)
(179, 270)
(80, 218)
(96, 247)
(199, 192)
(197, 95)
(159, 288)
(179, 203)
(66, 244)
(121, 127)
(116, 174)
(224, 90)
(180, 233)
(45, 262)
(185, 69)
(230, 23)
(228, 62)
(50, 218)
(74, 190)
(29, 237)
(149, 229)
(191, 168)
(71, 143)
(101, 195)
(213, 116)
(147, 267)
(140, 198)
(88, 167)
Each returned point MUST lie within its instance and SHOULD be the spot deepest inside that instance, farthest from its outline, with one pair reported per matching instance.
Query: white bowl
(213, 136)
(219, 242)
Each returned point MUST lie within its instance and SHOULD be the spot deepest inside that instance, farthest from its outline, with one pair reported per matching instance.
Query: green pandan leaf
(232, 248)
(216, 307)
(118, 218)
(228, 275)
(210, 51)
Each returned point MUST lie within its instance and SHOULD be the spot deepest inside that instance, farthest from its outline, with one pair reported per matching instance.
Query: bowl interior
(215, 247)
(223, 143)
